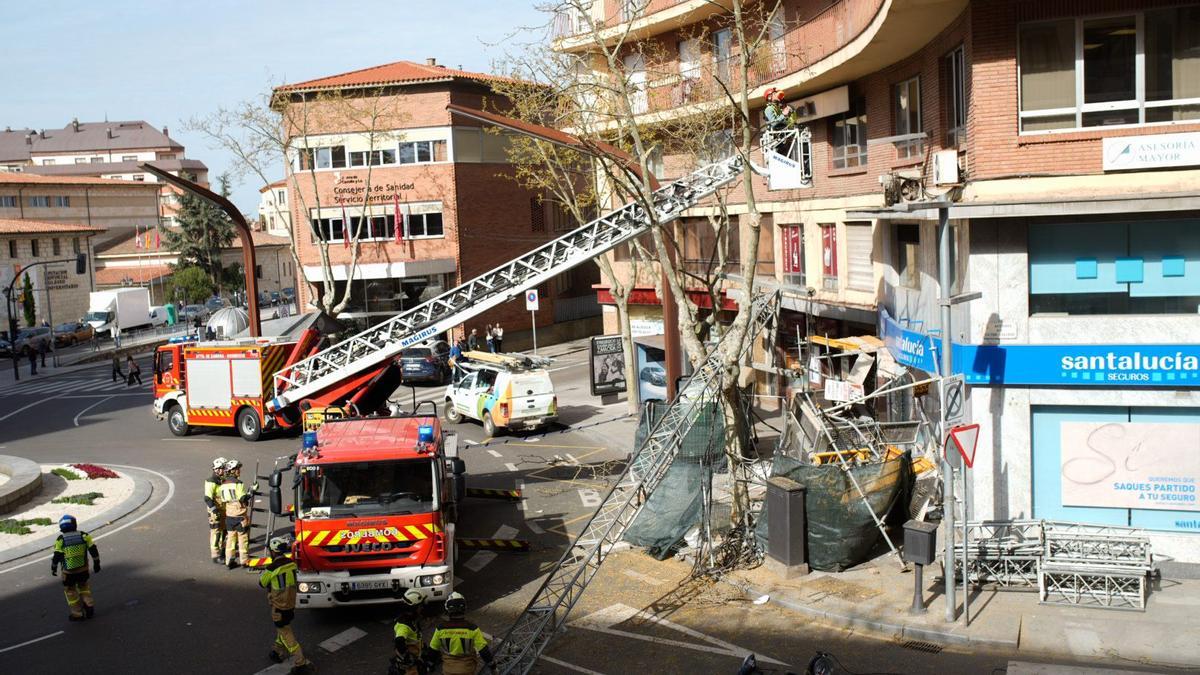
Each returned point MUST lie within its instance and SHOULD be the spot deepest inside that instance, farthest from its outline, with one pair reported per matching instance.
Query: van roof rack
(512, 361)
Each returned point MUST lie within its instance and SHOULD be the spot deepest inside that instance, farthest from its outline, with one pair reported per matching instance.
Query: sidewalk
(876, 597)
(82, 358)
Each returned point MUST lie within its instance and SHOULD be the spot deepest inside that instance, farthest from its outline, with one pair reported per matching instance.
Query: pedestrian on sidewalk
(43, 347)
(491, 344)
(116, 367)
(32, 362)
(71, 551)
(498, 338)
(473, 340)
(135, 371)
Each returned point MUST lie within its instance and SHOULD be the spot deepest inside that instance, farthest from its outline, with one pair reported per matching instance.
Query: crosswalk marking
(70, 385)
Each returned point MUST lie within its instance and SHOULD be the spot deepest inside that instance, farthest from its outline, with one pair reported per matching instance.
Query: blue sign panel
(1053, 365)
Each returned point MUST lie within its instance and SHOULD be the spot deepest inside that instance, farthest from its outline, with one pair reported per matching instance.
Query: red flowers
(94, 471)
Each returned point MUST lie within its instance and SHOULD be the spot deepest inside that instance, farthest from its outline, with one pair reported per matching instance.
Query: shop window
(908, 254)
(906, 98)
(1140, 267)
(829, 264)
(956, 96)
(791, 239)
(849, 136)
(1140, 68)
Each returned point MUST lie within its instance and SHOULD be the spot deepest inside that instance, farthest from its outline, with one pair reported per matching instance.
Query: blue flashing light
(310, 440)
(425, 433)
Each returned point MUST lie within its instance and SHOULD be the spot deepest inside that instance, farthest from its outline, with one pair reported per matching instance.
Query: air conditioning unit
(902, 186)
(945, 168)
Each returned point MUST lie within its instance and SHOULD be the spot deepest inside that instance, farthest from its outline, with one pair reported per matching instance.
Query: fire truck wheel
(248, 424)
(489, 427)
(177, 422)
(452, 415)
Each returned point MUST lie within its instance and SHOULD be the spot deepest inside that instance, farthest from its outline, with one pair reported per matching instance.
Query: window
(169, 155)
(258, 271)
(908, 254)
(422, 152)
(281, 196)
(12, 248)
(829, 265)
(424, 225)
(55, 248)
(75, 245)
(849, 136)
(1115, 267)
(791, 239)
(1119, 70)
(33, 248)
(907, 113)
(141, 178)
(128, 158)
(62, 202)
(777, 34)
(333, 157)
(717, 146)
(47, 162)
(81, 160)
(956, 97)
(860, 271)
(722, 53)
(8, 201)
(635, 74)
(537, 215)
(689, 59)
(39, 202)
(655, 163)
(372, 157)
(631, 9)
(97, 160)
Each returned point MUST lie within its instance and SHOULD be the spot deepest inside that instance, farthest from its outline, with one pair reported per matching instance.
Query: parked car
(214, 304)
(426, 363)
(275, 297)
(72, 332)
(31, 339)
(502, 397)
(158, 316)
(191, 312)
(289, 294)
(5, 347)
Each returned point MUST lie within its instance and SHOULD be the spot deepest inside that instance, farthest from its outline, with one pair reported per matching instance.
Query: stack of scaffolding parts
(1069, 563)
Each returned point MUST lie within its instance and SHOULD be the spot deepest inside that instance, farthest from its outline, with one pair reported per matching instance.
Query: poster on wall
(1131, 465)
(607, 365)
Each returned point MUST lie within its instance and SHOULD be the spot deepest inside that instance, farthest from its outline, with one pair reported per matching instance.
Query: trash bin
(172, 317)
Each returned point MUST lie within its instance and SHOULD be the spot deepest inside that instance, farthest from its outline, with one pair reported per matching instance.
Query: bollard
(920, 549)
(786, 526)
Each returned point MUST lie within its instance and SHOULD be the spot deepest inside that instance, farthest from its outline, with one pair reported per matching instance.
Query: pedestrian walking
(458, 643)
(498, 338)
(135, 371)
(407, 630)
(491, 344)
(473, 340)
(116, 367)
(71, 551)
(216, 511)
(43, 347)
(279, 578)
(236, 499)
(33, 362)
(116, 332)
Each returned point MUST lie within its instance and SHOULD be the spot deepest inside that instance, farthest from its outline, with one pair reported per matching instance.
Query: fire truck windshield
(355, 489)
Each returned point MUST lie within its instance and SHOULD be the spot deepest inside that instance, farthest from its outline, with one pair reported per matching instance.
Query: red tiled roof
(279, 183)
(115, 276)
(18, 226)
(400, 72)
(262, 239)
(21, 178)
(128, 245)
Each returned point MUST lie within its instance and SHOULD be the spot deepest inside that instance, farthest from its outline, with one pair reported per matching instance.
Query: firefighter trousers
(286, 646)
(460, 665)
(78, 589)
(237, 538)
(216, 534)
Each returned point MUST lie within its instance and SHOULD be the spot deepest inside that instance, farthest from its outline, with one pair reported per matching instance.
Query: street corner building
(56, 292)
(1060, 142)
(416, 201)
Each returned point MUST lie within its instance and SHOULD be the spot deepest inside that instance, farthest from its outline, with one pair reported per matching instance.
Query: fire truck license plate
(370, 585)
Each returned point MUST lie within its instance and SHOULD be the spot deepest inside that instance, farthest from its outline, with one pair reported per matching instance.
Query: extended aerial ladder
(386, 340)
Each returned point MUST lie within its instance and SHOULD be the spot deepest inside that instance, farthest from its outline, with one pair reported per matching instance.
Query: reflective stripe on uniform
(406, 632)
(458, 639)
(232, 491)
(279, 578)
(74, 547)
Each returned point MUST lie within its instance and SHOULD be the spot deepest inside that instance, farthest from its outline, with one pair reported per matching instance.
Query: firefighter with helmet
(236, 500)
(458, 643)
(407, 629)
(71, 552)
(279, 578)
(778, 114)
(216, 511)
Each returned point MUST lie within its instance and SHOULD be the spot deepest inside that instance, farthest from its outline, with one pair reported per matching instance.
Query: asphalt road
(163, 607)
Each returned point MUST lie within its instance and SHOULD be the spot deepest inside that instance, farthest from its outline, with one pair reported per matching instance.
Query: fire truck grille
(390, 556)
(371, 547)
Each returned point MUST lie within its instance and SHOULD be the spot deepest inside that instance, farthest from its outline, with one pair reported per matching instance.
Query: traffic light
(81, 263)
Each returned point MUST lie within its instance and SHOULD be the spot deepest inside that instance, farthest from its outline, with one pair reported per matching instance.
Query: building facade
(59, 294)
(116, 208)
(274, 214)
(442, 180)
(1063, 141)
(103, 150)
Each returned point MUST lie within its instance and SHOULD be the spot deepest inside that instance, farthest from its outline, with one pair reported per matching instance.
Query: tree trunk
(632, 394)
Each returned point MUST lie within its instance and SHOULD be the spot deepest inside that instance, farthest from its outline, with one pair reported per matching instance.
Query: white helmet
(233, 465)
(218, 463)
(280, 545)
(413, 597)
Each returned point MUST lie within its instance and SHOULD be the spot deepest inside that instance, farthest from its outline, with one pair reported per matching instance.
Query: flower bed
(93, 472)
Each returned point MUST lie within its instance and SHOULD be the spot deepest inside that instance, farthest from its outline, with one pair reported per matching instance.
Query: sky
(167, 62)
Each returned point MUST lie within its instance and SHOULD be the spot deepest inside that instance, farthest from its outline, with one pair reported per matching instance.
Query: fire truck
(375, 502)
(226, 384)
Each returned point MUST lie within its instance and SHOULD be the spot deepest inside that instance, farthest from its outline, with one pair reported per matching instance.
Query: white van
(502, 392)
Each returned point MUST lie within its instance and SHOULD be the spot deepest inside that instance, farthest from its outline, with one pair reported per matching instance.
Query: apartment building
(114, 207)
(274, 214)
(104, 150)
(59, 295)
(1074, 131)
(440, 179)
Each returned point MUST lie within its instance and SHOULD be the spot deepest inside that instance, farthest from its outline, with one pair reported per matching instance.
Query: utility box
(920, 542)
(786, 525)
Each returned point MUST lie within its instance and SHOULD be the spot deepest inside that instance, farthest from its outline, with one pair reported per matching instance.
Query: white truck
(121, 308)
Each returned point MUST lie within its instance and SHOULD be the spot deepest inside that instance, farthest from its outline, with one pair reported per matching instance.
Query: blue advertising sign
(1055, 365)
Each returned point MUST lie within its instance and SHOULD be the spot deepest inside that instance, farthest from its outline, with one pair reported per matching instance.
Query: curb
(143, 489)
(24, 481)
(849, 620)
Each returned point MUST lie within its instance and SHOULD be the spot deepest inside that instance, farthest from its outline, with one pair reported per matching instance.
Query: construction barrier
(489, 493)
(509, 545)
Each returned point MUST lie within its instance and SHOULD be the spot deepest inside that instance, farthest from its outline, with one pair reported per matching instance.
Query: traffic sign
(965, 439)
(531, 300)
(954, 400)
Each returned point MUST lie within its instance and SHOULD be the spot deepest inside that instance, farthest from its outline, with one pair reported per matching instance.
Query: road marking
(572, 458)
(521, 489)
(493, 453)
(26, 407)
(277, 669)
(602, 621)
(510, 466)
(29, 642)
(645, 578)
(569, 666)
(342, 639)
(469, 442)
(89, 408)
(135, 521)
(482, 558)
(70, 396)
(590, 498)
(533, 527)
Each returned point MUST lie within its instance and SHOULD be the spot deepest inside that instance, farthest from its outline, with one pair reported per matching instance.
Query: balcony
(571, 34)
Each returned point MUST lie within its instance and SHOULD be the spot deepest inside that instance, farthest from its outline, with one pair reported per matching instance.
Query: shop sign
(909, 347)
(350, 189)
(1157, 151)
(643, 327)
(607, 365)
(1130, 465)
(840, 390)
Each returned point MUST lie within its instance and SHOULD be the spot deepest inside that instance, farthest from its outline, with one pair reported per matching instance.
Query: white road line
(479, 560)
(96, 395)
(135, 521)
(26, 407)
(342, 639)
(277, 669)
(521, 489)
(29, 642)
(493, 453)
(510, 466)
(569, 666)
(533, 527)
(81, 412)
(572, 458)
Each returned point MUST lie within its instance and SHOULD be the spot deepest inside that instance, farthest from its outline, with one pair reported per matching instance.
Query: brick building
(379, 142)
(1075, 129)
(59, 295)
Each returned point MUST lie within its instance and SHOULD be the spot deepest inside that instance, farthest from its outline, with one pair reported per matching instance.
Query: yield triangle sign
(965, 439)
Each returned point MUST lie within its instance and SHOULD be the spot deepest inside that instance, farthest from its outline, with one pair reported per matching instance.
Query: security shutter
(858, 257)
